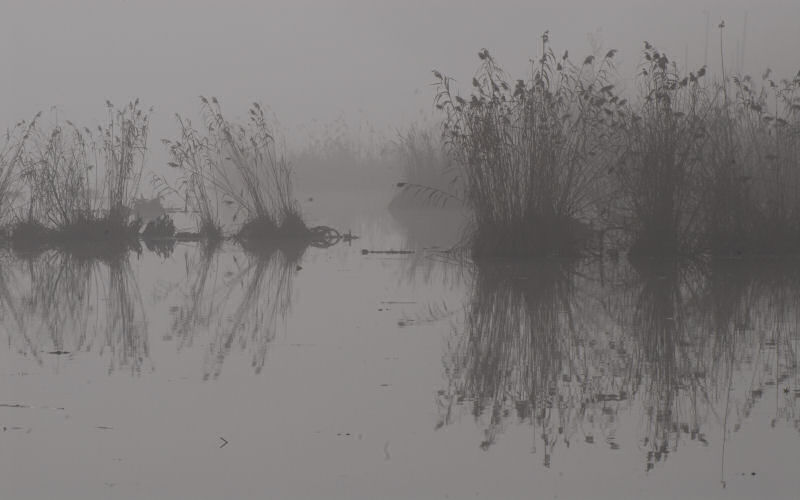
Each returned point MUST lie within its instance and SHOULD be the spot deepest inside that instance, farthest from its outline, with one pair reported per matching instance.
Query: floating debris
(387, 252)
(349, 236)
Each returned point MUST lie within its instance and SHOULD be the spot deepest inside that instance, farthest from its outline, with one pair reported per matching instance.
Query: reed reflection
(241, 307)
(687, 347)
(64, 303)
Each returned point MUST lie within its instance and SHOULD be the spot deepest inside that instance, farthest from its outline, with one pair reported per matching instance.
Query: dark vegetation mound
(553, 164)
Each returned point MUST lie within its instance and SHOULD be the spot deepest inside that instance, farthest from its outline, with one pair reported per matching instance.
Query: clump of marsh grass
(533, 152)
(750, 158)
(11, 156)
(708, 168)
(766, 126)
(124, 145)
(200, 160)
(239, 166)
(662, 160)
(80, 184)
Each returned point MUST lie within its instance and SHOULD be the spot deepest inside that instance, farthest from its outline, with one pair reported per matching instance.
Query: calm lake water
(333, 374)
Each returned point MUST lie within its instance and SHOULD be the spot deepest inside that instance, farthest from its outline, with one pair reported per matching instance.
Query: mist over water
(336, 292)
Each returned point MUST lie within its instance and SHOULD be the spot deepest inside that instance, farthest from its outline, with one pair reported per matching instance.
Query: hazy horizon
(360, 61)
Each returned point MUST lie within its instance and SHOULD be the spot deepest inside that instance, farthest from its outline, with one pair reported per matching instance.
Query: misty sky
(368, 59)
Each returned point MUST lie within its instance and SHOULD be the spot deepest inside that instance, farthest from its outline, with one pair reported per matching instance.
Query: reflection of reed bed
(689, 347)
(660, 328)
(242, 307)
(770, 326)
(692, 331)
(529, 349)
(126, 330)
(435, 267)
(11, 311)
(201, 305)
(254, 323)
(75, 305)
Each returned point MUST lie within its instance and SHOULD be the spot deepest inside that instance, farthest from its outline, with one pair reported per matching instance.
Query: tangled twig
(324, 236)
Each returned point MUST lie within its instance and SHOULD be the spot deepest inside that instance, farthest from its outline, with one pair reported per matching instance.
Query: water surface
(327, 373)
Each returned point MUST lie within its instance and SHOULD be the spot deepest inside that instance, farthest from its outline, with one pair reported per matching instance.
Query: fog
(562, 296)
(359, 60)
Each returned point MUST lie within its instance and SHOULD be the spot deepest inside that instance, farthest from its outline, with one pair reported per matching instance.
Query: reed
(533, 152)
(230, 164)
(12, 155)
(80, 184)
(663, 159)
(686, 167)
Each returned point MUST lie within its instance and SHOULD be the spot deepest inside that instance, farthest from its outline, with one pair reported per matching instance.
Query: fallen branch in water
(390, 252)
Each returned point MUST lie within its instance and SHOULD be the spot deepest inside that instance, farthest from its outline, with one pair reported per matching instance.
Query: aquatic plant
(685, 167)
(662, 159)
(200, 161)
(765, 120)
(123, 147)
(240, 166)
(11, 156)
(533, 152)
(80, 184)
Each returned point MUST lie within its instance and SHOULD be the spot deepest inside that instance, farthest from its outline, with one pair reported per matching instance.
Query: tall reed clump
(80, 184)
(238, 165)
(662, 162)
(533, 152)
(729, 203)
(200, 160)
(767, 124)
(11, 156)
(124, 146)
